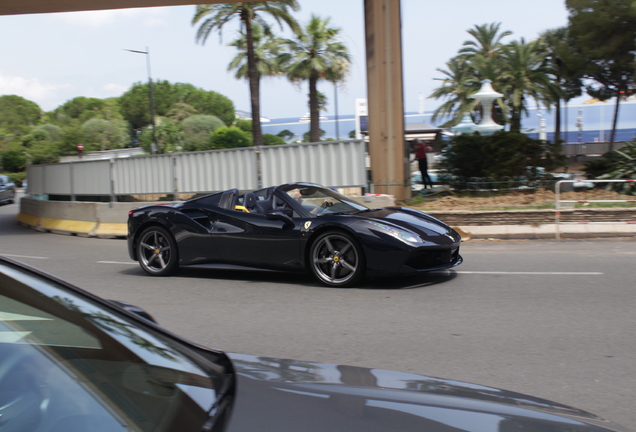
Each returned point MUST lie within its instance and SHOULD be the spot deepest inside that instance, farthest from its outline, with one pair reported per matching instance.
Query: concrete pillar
(387, 149)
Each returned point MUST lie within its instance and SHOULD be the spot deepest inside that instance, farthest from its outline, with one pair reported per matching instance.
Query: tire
(157, 252)
(336, 259)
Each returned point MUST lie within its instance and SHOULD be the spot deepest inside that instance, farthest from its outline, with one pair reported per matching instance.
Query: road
(552, 319)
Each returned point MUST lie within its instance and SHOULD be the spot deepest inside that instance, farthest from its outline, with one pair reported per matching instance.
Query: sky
(52, 58)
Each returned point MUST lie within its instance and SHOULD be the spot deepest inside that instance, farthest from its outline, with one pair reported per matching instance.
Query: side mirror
(134, 309)
(279, 215)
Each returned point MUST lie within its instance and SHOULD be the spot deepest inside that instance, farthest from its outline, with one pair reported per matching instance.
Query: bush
(270, 139)
(197, 129)
(499, 157)
(617, 165)
(230, 137)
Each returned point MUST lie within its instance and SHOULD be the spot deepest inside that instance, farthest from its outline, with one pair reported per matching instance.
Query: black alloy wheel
(157, 252)
(336, 259)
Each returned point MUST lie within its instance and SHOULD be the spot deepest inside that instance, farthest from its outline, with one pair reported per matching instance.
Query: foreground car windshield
(323, 201)
(70, 364)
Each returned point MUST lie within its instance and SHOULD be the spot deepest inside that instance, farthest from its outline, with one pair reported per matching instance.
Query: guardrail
(559, 201)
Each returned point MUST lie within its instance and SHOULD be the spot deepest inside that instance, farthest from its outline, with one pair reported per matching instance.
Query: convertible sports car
(72, 362)
(293, 227)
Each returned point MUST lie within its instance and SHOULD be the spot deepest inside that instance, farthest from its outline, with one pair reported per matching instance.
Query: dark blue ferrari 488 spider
(292, 227)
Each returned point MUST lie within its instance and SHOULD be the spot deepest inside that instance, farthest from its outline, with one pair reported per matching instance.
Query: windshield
(321, 201)
(69, 364)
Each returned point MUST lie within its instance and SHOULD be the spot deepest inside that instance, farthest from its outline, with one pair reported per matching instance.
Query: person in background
(419, 150)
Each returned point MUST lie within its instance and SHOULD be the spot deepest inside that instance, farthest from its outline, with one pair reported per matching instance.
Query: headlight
(399, 234)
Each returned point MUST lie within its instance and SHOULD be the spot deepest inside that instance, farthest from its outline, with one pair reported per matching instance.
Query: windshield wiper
(221, 405)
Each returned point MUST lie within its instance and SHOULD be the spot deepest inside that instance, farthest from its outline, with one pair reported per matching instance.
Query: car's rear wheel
(157, 252)
(336, 259)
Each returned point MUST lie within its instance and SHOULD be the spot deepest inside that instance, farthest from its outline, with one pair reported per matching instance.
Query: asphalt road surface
(555, 319)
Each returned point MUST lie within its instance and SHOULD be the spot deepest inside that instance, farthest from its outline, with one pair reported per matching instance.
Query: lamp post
(152, 98)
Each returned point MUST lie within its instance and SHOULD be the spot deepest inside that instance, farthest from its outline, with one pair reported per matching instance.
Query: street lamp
(152, 98)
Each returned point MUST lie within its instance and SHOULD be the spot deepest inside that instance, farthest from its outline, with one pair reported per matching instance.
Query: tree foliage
(603, 34)
(271, 139)
(13, 160)
(212, 17)
(101, 134)
(197, 130)
(17, 113)
(169, 97)
(169, 134)
(81, 109)
(616, 165)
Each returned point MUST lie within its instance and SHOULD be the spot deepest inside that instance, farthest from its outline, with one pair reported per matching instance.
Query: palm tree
(478, 60)
(487, 40)
(460, 82)
(214, 16)
(566, 70)
(266, 52)
(526, 73)
(316, 54)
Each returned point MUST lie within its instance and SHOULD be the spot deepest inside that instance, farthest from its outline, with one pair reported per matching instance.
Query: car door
(254, 240)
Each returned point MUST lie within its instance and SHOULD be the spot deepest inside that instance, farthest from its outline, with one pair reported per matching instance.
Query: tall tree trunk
(314, 112)
(254, 79)
(557, 128)
(615, 122)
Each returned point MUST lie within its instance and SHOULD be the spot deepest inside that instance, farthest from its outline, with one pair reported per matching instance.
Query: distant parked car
(580, 182)
(7, 190)
(416, 179)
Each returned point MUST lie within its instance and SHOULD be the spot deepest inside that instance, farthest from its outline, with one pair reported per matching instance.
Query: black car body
(292, 227)
(70, 362)
(7, 190)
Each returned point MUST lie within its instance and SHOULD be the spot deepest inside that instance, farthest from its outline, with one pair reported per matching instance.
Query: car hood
(288, 395)
(413, 220)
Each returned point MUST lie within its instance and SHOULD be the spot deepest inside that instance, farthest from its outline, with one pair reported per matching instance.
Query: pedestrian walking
(420, 150)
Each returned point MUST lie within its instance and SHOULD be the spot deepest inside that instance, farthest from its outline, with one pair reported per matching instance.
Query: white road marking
(534, 273)
(117, 262)
(24, 256)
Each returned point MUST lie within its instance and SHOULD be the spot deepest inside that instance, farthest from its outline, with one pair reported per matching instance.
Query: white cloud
(30, 88)
(149, 16)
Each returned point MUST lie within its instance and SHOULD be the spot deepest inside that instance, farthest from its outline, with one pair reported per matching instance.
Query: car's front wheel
(157, 252)
(336, 259)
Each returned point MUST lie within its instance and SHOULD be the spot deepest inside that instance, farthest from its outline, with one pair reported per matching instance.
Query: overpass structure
(383, 34)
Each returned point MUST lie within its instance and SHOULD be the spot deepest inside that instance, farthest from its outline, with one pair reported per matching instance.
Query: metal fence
(559, 202)
(334, 164)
